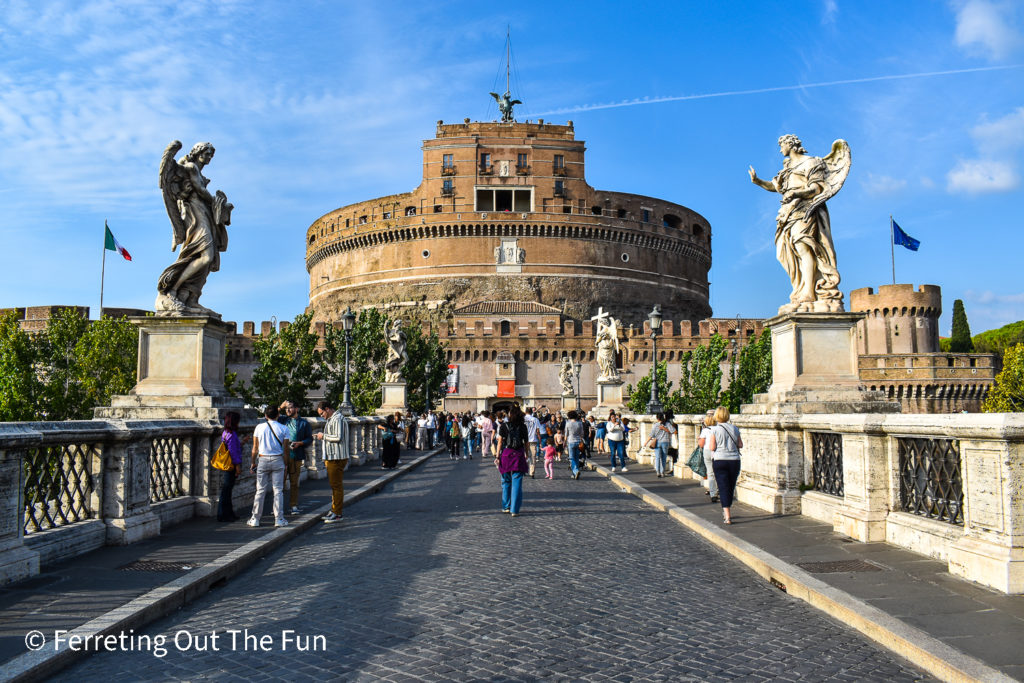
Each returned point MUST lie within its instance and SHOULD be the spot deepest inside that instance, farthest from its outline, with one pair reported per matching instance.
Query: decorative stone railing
(947, 486)
(69, 487)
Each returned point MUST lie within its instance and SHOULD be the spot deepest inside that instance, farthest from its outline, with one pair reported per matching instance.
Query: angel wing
(515, 102)
(173, 179)
(838, 164)
(497, 97)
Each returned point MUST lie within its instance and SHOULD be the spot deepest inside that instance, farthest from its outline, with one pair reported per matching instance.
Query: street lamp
(576, 370)
(426, 387)
(654, 405)
(348, 321)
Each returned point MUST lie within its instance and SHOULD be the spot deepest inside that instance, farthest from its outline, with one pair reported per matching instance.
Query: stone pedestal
(180, 372)
(394, 398)
(568, 402)
(609, 398)
(814, 368)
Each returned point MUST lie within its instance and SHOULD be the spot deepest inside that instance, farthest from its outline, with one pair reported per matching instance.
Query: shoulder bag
(222, 458)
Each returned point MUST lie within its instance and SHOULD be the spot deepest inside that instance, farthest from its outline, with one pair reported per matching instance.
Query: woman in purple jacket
(225, 511)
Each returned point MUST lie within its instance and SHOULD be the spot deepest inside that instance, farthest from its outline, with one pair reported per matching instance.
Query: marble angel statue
(199, 223)
(607, 343)
(397, 355)
(565, 376)
(803, 233)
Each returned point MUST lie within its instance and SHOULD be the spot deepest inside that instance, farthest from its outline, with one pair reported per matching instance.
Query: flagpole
(892, 248)
(103, 268)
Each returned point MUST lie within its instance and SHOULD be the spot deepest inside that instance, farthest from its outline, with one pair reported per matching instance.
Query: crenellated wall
(899, 319)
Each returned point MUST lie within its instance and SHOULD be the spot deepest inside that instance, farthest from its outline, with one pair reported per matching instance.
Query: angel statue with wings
(803, 234)
(505, 104)
(397, 355)
(565, 376)
(607, 343)
(199, 221)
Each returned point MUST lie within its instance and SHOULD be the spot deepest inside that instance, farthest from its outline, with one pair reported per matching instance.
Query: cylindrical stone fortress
(504, 213)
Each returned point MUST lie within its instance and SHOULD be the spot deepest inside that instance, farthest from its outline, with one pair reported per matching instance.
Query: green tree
(960, 340)
(59, 368)
(752, 374)
(1007, 395)
(20, 388)
(701, 386)
(639, 397)
(289, 366)
(997, 341)
(107, 354)
(421, 349)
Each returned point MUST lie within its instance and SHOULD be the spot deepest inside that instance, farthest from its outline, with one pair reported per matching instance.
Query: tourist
(616, 441)
(661, 441)
(559, 440)
(454, 436)
(533, 440)
(422, 433)
(704, 441)
(574, 440)
(225, 509)
(335, 438)
(588, 436)
(301, 435)
(600, 432)
(468, 434)
(673, 452)
(549, 460)
(486, 434)
(432, 428)
(269, 449)
(390, 448)
(411, 428)
(725, 446)
(511, 460)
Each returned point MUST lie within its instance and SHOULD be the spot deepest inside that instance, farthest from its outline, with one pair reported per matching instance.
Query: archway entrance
(503, 404)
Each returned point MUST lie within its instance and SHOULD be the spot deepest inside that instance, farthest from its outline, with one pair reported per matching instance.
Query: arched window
(506, 328)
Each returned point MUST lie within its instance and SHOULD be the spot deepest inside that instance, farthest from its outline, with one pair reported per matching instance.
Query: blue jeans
(512, 491)
(660, 456)
(467, 447)
(574, 457)
(618, 448)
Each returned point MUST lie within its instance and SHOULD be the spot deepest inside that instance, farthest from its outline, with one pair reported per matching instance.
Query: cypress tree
(960, 340)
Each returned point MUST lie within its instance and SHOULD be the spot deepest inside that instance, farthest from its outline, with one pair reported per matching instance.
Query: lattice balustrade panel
(930, 481)
(827, 462)
(166, 467)
(58, 485)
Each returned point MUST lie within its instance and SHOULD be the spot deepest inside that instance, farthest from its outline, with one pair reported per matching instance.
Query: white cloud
(927, 182)
(986, 28)
(978, 176)
(883, 185)
(830, 9)
(1005, 134)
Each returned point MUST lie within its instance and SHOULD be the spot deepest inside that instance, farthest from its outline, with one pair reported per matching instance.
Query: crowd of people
(518, 440)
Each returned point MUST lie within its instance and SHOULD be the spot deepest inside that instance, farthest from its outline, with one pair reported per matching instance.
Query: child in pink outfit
(549, 461)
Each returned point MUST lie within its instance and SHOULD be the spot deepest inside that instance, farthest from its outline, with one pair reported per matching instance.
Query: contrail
(780, 88)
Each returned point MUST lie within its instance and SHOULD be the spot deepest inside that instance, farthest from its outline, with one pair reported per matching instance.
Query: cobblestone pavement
(429, 581)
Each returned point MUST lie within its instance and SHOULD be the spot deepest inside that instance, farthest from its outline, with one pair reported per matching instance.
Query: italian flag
(113, 245)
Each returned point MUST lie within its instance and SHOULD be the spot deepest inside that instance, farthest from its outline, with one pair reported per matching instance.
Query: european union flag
(903, 239)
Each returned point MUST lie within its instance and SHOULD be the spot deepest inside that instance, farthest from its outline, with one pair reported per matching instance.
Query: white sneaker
(295, 510)
(330, 518)
(253, 522)
(281, 522)
(615, 469)
(624, 469)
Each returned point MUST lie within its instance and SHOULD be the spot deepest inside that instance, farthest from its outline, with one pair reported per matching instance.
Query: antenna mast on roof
(505, 102)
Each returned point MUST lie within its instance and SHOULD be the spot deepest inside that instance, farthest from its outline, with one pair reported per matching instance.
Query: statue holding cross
(607, 343)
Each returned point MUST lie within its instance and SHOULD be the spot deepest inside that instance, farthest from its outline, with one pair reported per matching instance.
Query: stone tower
(899, 319)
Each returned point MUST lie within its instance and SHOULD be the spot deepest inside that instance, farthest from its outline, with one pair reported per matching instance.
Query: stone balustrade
(70, 487)
(947, 486)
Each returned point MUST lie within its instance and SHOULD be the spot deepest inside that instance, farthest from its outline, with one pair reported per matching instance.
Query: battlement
(528, 129)
(900, 299)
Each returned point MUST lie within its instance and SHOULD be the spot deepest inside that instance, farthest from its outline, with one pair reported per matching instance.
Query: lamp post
(577, 367)
(654, 405)
(348, 321)
(426, 387)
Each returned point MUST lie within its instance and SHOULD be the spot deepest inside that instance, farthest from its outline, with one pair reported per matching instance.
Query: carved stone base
(180, 356)
(568, 402)
(394, 398)
(814, 368)
(210, 408)
(609, 398)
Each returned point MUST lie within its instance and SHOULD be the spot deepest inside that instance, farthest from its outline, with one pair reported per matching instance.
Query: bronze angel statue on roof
(199, 223)
(505, 104)
(803, 232)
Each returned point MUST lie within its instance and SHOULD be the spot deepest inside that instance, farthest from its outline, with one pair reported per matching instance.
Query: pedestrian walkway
(429, 581)
(67, 595)
(879, 588)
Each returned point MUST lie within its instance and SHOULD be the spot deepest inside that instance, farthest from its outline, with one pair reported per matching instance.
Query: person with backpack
(468, 436)
(390, 448)
(454, 437)
(511, 460)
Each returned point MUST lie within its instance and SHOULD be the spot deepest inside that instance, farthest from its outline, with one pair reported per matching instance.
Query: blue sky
(315, 105)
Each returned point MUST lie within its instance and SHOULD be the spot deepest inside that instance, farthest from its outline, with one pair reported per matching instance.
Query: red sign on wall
(506, 388)
(453, 379)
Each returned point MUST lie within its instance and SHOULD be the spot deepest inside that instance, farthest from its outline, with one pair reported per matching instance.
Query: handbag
(696, 462)
(222, 458)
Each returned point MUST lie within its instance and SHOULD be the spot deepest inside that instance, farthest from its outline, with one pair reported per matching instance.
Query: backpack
(516, 437)
(455, 432)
